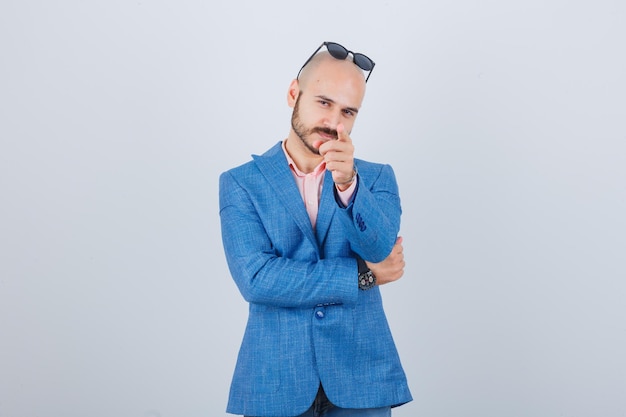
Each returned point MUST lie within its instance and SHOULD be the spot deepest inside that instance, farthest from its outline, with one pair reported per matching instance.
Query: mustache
(326, 131)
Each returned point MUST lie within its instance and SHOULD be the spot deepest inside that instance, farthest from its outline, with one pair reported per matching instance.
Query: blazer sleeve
(372, 221)
(264, 277)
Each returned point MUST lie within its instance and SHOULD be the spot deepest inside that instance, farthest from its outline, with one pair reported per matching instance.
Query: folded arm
(263, 274)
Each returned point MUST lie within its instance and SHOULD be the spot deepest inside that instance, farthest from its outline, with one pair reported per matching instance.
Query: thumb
(317, 144)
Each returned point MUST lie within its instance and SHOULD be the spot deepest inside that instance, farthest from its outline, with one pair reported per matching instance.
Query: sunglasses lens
(336, 50)
(363, 62)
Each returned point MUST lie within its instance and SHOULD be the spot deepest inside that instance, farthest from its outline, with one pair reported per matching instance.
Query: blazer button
(319, 314)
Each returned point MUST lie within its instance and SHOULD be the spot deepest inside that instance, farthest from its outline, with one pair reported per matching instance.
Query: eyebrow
(330, 100)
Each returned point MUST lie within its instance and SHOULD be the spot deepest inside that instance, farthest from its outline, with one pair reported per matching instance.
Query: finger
(342, 135)
(317, 144)
(398, 245)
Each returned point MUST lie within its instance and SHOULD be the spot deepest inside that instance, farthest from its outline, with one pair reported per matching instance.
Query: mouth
(326, 134)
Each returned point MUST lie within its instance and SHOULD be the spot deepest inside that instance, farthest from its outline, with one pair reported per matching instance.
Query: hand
(339, 157)
(392, 268)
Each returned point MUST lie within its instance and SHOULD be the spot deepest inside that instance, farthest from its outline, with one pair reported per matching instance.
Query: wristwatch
(367, 279)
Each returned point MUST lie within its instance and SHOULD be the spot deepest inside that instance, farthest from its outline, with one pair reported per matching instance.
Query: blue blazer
(308, 321)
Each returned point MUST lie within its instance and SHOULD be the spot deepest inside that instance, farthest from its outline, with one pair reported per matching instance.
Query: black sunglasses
(339, 52)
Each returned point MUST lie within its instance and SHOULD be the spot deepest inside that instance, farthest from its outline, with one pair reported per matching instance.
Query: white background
(504, 121)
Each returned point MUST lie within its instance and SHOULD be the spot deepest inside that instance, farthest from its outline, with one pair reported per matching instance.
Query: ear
(293, 93)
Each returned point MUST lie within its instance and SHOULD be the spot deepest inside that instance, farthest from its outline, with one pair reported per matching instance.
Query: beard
(305, 133)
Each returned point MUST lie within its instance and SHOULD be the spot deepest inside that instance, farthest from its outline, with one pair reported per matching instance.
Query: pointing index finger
(342, 135)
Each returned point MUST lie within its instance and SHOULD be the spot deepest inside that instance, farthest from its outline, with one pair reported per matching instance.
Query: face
(331, 95)
(308, 134)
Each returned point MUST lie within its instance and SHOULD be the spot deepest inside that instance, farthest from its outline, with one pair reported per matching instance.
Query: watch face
(366, 280)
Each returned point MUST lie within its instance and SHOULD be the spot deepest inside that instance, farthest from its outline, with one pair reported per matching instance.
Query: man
(310, 233)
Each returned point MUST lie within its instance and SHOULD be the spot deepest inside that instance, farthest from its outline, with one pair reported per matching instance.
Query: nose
(333, 118)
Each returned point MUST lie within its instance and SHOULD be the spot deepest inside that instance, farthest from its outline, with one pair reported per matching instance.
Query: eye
(348, 112)
(324, 102)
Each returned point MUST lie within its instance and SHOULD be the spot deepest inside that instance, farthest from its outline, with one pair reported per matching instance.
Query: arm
(372, 221)
(392, 268)
(262, 269)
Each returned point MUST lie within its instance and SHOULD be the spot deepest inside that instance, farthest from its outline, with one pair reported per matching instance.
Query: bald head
(324, 66)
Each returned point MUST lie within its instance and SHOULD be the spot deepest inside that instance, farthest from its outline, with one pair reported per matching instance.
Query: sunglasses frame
(355, 56)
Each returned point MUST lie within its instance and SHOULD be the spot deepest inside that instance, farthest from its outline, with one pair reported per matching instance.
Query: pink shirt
(310, 187)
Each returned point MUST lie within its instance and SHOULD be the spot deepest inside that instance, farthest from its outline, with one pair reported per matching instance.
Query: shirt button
(319, 314)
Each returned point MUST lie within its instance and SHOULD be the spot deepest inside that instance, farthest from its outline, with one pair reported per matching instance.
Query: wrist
(346, 184)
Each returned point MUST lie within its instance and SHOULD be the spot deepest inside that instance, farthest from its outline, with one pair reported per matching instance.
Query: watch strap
(366, 277)
(362, 265)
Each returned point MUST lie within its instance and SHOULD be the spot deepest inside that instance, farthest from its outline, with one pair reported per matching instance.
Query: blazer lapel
(327, 209)
(274, 167)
